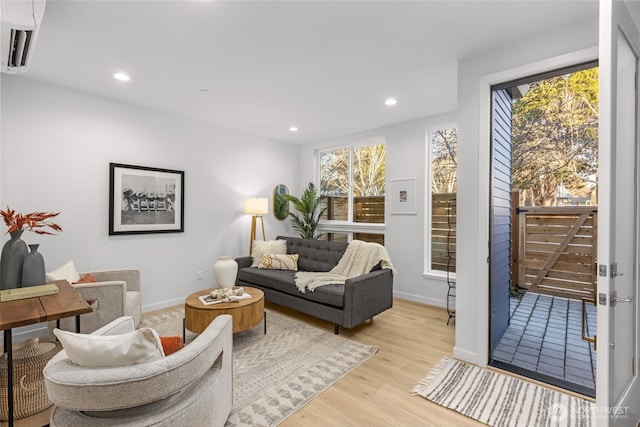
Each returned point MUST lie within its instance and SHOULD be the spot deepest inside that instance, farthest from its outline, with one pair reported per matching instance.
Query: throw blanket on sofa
(359, 258)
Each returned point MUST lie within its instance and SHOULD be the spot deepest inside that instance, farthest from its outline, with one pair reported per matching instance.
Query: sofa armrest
(367, 295)
(244, 261)
(130, 277)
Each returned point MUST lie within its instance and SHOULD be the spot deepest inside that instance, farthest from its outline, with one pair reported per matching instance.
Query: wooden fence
(443, 231)
(557, 250)
(369, 210)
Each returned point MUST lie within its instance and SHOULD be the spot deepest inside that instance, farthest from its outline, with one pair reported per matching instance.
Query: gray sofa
(347, 305)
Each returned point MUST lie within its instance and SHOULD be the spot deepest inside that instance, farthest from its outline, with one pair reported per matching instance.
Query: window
(440, 229)
(352, 185)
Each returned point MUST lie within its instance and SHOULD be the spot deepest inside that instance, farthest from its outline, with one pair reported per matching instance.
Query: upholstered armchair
(114, 294)
(191, 387)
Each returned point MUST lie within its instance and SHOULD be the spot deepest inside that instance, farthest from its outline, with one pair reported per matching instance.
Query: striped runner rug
(501, 400)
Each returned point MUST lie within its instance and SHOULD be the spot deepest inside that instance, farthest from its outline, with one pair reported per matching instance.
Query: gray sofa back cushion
(315, 255)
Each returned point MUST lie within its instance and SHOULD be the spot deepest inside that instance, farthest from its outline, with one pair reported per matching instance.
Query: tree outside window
(352, 186)
(441, 238)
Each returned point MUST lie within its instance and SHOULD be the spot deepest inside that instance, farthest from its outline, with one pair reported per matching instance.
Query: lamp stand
(253, 231)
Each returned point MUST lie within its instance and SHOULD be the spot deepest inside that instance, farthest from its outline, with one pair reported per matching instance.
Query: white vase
(225, 269)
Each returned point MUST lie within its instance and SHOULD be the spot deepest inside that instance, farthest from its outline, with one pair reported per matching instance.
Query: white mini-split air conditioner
(19, 25)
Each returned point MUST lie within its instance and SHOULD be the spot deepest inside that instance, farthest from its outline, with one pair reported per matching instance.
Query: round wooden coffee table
(247, 313)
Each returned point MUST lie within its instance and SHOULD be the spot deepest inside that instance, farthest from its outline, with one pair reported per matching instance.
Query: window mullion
(350, 195)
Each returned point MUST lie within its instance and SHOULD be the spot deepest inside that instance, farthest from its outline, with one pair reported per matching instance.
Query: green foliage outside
(555, 139)
(369, 169)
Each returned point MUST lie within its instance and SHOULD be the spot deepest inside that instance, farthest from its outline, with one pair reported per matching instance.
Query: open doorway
(544, 138)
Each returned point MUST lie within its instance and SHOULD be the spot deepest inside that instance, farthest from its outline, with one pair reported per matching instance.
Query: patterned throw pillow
(260, 248)
(279, 262)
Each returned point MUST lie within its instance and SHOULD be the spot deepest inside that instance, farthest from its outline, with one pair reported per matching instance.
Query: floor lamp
(256, 207)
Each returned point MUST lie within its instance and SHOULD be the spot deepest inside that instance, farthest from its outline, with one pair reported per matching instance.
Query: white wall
(55, 152)
(404, 234)
(550, 51)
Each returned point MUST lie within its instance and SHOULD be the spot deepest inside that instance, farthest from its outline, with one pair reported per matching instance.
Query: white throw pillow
(260, 248)
(67, 272)
(140, 346)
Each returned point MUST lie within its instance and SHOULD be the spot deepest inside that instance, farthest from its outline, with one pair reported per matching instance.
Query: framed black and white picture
(403, 197)
(145, 200)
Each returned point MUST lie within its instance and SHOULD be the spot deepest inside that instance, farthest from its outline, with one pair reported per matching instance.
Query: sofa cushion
(259, 248)
(284, 281)
(315, 255)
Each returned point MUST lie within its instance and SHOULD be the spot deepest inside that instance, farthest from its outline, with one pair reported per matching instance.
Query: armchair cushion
(66, 272)
(190, 387)
(116, 293)
(140, 346)
(86, 278)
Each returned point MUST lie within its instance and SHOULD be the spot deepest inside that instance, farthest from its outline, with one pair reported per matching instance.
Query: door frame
(610, 12)
(486, 84)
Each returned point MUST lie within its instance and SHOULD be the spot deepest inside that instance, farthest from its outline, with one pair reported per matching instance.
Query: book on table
(28, 292)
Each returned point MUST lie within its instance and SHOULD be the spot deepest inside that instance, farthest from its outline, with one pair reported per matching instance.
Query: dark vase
(33, 268)
(13, 253)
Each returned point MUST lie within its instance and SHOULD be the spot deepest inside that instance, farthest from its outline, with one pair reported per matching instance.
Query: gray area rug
(501, 400)
(276, 374)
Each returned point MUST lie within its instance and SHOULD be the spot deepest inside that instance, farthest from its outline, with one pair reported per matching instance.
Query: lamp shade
(256, 205)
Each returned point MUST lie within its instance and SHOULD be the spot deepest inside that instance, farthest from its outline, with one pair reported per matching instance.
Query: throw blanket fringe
(359, 258)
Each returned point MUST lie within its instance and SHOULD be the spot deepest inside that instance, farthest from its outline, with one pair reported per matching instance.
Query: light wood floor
(411, 338)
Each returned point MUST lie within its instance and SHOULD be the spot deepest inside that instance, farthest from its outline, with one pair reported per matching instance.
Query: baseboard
(163, 304)
(465, 355)
(421, 299)
(40, 329)
(26, 332)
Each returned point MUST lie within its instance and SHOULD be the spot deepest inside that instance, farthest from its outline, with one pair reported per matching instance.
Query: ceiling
(325, 67)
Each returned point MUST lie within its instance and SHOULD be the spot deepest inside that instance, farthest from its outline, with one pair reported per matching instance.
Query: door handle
(615, 299)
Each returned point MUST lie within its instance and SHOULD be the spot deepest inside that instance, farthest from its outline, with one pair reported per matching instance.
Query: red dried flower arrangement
(34, 221)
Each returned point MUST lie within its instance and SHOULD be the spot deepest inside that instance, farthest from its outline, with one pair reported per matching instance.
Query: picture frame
(403, 197)
(145, 200)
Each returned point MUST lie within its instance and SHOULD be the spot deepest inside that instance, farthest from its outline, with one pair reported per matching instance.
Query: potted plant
(309, 212)
(14, 252)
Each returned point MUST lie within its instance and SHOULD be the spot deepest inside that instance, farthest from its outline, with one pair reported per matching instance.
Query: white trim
(428, 176)
(356, 227)
(349, 226)
(163, 304)
(483, 181)
(420, 299)
(438, 275)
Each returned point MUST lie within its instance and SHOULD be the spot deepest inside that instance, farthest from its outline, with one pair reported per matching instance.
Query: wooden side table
(247, 313)
(29, 311)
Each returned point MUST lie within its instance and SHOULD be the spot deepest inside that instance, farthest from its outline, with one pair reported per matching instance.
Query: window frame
(428, 271)
(350, 227)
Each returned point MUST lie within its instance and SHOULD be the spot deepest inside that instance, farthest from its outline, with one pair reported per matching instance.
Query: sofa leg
(336, 328)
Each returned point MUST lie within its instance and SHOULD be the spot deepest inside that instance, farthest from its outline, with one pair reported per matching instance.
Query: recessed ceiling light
(293, 129)
(123, 77)
(390, 101)
(204, 91)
